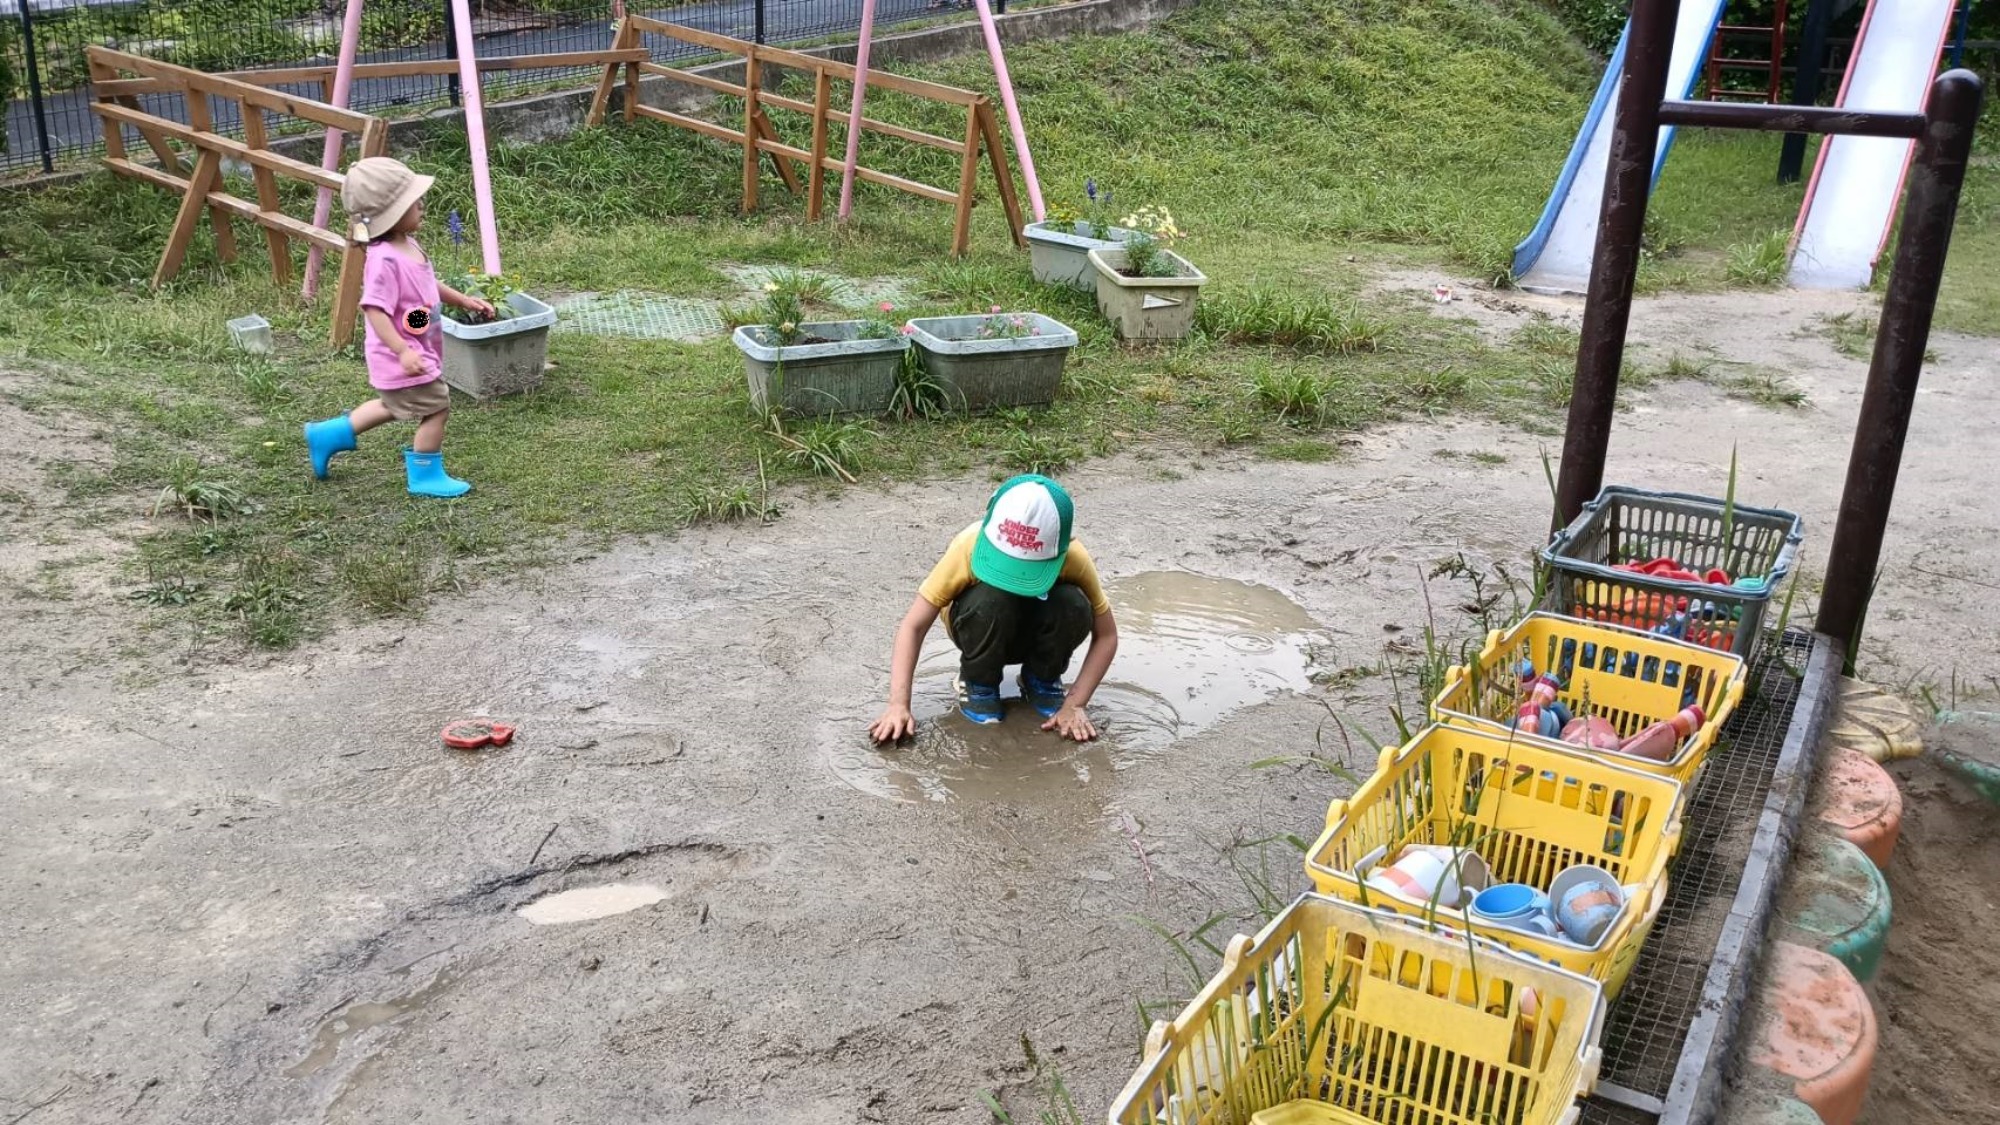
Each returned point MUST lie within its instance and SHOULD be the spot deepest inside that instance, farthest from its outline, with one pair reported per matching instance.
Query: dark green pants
(993, 628)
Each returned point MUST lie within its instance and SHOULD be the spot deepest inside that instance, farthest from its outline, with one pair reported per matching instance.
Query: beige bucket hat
(378, 192)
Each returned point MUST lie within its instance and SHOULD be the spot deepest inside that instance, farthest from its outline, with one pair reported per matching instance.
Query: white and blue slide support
(1555, 257)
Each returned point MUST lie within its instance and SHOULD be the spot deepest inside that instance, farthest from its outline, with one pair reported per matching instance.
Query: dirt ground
(258, 890)
(1937, 976)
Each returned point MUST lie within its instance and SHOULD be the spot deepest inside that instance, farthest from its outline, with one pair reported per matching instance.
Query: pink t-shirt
(406, 289)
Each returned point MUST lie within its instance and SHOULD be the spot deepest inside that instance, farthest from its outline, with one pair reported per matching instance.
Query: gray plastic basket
(1631, 525)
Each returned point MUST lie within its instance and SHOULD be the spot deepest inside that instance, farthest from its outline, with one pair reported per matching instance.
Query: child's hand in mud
(1071, 722)
(895, 725)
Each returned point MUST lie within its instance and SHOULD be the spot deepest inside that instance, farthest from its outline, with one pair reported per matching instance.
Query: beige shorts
(414, 404)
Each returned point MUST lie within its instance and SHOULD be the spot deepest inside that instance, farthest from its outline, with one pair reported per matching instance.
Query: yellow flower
(770, 287)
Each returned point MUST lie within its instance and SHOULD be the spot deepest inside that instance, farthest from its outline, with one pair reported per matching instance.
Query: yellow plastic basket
(1633, 679)
(1339, 1014)
(1530, 811)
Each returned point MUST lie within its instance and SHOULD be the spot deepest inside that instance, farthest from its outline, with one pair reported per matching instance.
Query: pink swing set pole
(854, 112)
(1013, 108)
(475, 130)
(343, 82)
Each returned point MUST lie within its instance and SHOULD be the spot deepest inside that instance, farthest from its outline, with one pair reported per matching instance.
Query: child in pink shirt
(402, 302)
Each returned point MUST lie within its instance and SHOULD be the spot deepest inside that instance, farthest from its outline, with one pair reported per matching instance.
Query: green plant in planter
(1006, 326)
(783, 313)
(493, 288)
(880, 327)
(1097, 210)
(1145, 251)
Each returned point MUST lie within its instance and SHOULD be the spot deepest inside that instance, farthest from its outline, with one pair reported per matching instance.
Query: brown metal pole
(1928, 214)
(1622, 220)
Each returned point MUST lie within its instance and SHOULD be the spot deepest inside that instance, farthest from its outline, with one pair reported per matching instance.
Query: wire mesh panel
(228, 35)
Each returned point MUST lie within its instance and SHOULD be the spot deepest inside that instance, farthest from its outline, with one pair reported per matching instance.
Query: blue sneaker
(1046, 696)
(980, 703)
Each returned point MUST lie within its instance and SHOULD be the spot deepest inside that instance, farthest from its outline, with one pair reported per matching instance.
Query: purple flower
(1090, 189)
(457, 227)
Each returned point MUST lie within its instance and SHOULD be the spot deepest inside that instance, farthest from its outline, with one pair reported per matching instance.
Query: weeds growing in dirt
(190, 491)
(711, 504)
(385, 580)
(1307, 321)
(1056, 1106)
(1038, 452)
(1762, 262)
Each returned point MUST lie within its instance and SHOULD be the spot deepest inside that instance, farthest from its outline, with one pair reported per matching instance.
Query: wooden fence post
(752, 74)
(968, 183)
(816, 177)
(275, 240)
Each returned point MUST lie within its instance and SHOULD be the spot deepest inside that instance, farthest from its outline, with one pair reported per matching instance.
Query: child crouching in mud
(1013, 588)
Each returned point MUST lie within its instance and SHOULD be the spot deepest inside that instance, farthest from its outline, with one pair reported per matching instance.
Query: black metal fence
(44, 77)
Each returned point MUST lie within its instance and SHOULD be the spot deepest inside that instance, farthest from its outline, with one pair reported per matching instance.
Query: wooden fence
(202, 186)
(758, 138)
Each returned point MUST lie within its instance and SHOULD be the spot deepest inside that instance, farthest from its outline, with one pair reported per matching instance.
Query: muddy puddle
(344, 1025)
(586, 904)
(1192, 650)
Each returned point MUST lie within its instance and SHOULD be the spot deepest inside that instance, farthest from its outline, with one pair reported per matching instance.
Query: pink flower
(994, 309)
(887, 307)
(909, 329)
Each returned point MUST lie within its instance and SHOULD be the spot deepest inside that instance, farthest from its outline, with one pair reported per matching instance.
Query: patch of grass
(192, 492)
(384, 580)
(1761, 262)
(1045, 452)
(1554, 381)
(1853, 335)
(1308, 321)
(711, 504)
(1684, 367)
(1765, 388)
(1295, 395)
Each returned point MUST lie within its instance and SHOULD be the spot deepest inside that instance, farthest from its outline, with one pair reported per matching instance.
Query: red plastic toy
(471, 734)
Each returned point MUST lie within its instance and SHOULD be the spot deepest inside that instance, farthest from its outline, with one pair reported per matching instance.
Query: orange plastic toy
(1858, 799)
(1816, 1028)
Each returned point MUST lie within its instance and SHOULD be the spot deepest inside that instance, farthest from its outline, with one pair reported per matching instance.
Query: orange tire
(1817, 1029)
(1858, 799)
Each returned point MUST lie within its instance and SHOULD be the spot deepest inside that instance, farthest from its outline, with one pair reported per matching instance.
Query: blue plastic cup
(1507, 903)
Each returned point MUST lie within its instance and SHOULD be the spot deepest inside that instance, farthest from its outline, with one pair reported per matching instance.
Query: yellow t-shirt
(953, 573)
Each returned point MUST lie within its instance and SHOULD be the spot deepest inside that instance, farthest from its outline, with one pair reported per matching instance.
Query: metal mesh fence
(44, 75)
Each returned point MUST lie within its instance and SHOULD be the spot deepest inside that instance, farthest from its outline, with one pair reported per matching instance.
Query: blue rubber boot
(324, 439)
(980, 703)
(427, 476)
(1046, 696)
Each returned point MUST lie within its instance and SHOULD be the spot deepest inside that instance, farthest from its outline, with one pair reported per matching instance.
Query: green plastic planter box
(978, 373)
(848, 374)
(501, 358)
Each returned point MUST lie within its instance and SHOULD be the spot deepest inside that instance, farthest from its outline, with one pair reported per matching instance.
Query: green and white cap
(1025, 537)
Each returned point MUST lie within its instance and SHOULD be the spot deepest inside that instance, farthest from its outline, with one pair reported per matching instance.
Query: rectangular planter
(977, 373)
(1147, 308)
(847, 375)
(1060, 252)
(501, 358)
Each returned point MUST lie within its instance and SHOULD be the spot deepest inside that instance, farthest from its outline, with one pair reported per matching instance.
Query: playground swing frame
(1943, 131)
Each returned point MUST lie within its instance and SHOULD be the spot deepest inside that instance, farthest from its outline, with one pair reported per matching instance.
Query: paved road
(73, 129)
